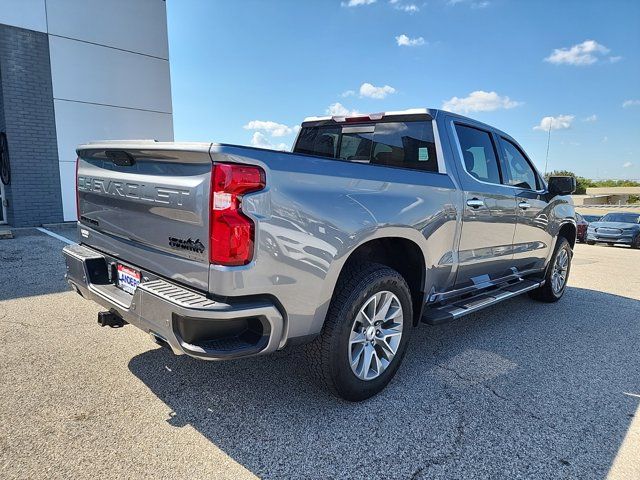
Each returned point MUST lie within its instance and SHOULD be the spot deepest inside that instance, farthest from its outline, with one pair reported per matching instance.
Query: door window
(518, 170)
(478, 154)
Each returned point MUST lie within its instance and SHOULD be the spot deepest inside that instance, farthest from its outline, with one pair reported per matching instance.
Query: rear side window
(393, 144)
(405, 144)
(518, 171)
(479, 154)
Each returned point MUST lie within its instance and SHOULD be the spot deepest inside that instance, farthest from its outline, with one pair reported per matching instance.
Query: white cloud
(405, 41)
(339, 110)
(260, 140)
(357, 3)
(590, 118)
(348, 93)
(272, 128)
(471, 3)
(561, 122)
(630, 103)
(615, 59)
(479, 101)
(409, 8)
(368, 90)
(585, 53)
(627, 164)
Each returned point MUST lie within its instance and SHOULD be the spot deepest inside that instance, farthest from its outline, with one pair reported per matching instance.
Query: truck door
(489, 214)
(532, 239)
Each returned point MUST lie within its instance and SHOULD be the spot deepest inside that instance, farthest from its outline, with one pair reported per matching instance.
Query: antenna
(546, 159)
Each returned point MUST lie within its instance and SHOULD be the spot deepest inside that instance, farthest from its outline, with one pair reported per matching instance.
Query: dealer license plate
(128, 279)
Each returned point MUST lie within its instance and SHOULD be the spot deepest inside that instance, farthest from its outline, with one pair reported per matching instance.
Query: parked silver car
(616, 227)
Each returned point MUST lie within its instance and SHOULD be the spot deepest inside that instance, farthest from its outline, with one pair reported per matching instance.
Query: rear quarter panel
(315, 212)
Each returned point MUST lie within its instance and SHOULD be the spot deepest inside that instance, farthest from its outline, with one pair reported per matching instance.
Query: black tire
(328, 354)
(546, 292)
(611, 244)
(636, 242)
(590, 242)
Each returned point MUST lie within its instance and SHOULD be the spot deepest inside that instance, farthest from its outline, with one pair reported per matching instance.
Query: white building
(72, 71)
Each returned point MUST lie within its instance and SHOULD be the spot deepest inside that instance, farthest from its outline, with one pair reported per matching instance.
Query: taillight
(232, 234)
(77, 193)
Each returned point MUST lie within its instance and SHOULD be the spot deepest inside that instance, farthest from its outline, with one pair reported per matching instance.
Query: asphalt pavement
(519, 390)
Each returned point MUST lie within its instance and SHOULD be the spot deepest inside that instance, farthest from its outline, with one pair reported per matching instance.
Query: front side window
(518, 171)
(479, 154)
(393, 144)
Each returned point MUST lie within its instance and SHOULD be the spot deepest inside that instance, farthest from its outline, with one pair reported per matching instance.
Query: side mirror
(561, 185)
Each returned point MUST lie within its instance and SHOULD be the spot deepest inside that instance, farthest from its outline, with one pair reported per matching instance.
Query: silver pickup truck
(369, 226)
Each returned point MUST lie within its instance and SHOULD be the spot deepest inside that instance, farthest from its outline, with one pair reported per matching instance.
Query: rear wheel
(557, 274)
(365, 334)
(590, 242)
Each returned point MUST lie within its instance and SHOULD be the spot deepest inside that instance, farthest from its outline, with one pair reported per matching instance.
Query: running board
(451, 311)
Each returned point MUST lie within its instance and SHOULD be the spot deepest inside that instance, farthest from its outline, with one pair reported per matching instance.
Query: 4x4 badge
(188, 244)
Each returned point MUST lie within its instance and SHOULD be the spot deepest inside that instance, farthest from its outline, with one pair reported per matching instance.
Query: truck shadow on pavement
(520, 389)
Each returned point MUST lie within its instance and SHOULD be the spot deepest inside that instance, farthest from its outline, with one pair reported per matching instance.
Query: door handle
(524, 205)
(475, 203)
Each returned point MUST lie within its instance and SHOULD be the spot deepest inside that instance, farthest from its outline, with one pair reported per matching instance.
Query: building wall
(2, 129)
(34, 193)
(109, 72)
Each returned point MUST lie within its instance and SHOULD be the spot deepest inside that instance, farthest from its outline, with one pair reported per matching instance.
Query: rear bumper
(187, 321)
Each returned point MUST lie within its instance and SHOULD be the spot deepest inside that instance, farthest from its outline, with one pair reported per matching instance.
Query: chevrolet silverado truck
(371, 225)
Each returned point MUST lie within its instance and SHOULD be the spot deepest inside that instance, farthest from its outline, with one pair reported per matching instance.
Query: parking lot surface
(522, 389)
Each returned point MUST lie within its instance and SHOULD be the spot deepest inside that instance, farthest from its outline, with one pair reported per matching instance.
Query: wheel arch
(400, 252)
(569, 231)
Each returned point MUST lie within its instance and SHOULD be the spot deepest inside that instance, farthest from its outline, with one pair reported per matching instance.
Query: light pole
(546, 159)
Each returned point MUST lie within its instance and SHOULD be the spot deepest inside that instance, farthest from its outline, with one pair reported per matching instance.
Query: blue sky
(249, 71)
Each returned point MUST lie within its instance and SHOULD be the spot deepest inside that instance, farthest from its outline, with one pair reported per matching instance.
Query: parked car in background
(582, 225)
(616, 227)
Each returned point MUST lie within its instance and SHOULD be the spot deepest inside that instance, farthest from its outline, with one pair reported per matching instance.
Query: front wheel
(365, 334)
(557, 274)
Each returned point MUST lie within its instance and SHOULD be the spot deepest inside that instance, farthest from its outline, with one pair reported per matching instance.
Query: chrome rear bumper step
(452, 311)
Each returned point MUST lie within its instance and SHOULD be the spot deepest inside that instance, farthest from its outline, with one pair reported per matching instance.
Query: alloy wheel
(560, 271)
(375, 335)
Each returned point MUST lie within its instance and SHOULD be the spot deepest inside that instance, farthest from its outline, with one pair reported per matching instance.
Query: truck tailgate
(147, 203)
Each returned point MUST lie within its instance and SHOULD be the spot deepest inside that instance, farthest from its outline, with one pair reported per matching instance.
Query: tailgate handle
(120, 158)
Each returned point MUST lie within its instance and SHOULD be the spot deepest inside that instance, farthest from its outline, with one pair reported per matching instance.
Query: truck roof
(372, 116)
(432, 112)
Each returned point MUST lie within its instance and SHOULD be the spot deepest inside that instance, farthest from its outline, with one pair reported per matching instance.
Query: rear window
(393, 144)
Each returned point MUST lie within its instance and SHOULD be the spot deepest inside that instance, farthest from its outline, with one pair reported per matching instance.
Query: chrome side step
(451, 311)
